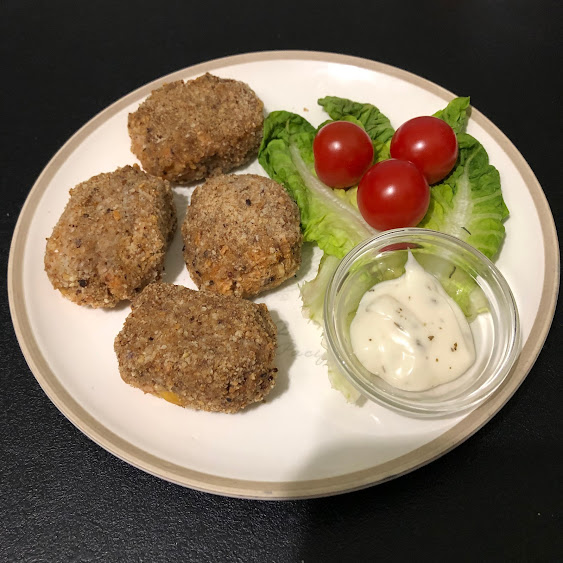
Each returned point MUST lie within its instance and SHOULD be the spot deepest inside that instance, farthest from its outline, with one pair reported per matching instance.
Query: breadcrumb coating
(187, 131)
(196, 349)
(111, 238)
(241, 235)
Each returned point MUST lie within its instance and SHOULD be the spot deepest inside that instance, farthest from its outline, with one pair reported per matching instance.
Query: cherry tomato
(428, 142)
(400, 246)
(393, 194)
(343, 152)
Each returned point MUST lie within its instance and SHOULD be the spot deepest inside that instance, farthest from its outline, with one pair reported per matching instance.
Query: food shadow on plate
(174, 264)
(121, 306)
(285, 356)
(304, 271)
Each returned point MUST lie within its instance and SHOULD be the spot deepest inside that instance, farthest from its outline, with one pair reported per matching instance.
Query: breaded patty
(186, 131)
(241, 235)
(196, 349)
(111, 238)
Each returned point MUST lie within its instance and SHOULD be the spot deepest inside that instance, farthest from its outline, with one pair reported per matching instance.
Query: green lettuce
(457, 283)
(456, 114)
(340, 383)
(313, 292)
(468, 204)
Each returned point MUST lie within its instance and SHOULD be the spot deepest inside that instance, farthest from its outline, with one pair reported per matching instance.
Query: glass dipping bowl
(496, 332)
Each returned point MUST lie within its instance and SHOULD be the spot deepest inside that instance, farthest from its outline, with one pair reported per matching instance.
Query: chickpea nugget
(187, 131)
(241, 235)
(111, 238)
(196, 349)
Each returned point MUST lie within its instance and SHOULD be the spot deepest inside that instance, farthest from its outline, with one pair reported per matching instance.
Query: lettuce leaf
(457, 283)
(468, 204)
(313, 292)
(286, 153)
(456, 114)
(340, 383)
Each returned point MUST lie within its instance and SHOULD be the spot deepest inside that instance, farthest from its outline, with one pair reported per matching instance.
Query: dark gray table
(497, 497)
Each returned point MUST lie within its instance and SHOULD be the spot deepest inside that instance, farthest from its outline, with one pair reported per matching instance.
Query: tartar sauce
(409, 332)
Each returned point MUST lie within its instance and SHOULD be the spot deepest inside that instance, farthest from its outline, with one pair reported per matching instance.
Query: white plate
(305, 440)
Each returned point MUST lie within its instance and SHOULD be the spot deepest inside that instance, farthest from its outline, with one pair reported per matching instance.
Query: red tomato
(428, 142)
(393, 194)
(343, 151)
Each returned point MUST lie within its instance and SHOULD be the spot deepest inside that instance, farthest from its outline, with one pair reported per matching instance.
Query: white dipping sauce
(409, 332)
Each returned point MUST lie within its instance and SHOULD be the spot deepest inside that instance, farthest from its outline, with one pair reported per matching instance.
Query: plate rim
(279, 490)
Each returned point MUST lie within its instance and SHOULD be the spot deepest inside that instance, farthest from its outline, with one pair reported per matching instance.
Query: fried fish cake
(111, 238)
(187, 131)
(241, 235)
(196, 349)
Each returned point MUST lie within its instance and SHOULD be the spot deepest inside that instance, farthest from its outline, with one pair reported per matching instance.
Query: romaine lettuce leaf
(349, 118)
(349, 195)
(456, 114)
(313, 292)
(340, 383)
(468, 204)
(457, 283)
(313, 295)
